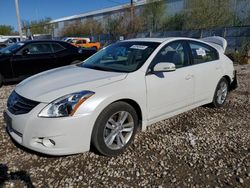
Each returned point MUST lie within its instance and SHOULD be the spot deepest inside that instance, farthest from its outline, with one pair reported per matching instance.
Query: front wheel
(115, 129)
(221, 93)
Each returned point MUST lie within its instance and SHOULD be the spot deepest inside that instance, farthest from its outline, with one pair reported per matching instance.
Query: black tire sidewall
(215, 103)
(1, 80)
(97, 135)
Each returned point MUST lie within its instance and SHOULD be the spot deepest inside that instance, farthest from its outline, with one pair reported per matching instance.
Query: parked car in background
(69, 39)
(24, 59)
(122, 88)
(41, 37)
(85, 43)
(9, 40)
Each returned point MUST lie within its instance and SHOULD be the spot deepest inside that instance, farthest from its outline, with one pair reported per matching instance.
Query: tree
(6, 30)
(175, 22)
(92, 27)
(116, 26)
(41, 26)
(154, 12)
(89, 27)
(209, 13)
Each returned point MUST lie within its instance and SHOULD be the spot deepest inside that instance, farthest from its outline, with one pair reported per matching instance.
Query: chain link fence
(235, 36)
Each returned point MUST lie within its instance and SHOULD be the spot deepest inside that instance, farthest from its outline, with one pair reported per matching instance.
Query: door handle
(188, 77)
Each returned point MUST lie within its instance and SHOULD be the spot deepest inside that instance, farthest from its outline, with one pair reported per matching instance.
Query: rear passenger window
(203, 53)
(57, 47)
(39, 48)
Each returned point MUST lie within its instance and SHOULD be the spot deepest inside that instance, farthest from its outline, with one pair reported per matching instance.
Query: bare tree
(89, 27)
(154, 14)
(209, 13)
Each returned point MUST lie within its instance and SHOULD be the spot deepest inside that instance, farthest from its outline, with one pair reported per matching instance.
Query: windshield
(73, 40)
(121, 56)
(12, 48)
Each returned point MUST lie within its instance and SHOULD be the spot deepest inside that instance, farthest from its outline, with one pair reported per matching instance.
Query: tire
(221, 93)
(110, 137)
(1, 80)
(75, 62)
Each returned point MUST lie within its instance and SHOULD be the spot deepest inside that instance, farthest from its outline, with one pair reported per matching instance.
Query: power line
(119, 3)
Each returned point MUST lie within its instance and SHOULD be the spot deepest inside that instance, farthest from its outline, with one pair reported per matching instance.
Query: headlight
(66, 105)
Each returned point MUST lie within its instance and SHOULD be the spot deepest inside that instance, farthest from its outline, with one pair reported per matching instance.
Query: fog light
(48, 142)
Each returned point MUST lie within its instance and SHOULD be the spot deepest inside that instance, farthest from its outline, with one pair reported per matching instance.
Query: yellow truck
(85, 43)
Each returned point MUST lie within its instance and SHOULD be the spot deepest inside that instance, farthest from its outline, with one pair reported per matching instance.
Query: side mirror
(25, 52)
(164, 67)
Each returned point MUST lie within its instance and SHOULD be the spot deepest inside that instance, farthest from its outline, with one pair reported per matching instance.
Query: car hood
(50, 85)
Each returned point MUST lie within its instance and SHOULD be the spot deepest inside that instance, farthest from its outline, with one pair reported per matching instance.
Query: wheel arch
(136, 106)
(228, 79)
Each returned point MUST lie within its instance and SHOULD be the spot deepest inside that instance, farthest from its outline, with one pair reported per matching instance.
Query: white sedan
(123, 88)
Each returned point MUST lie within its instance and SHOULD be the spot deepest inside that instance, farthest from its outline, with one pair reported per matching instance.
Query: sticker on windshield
(139, 47)
(201, 52)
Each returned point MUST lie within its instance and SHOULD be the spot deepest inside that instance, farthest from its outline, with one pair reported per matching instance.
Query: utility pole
(19, 20)
(131, 14)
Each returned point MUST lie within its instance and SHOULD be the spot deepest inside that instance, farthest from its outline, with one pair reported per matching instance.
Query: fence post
(225, 32)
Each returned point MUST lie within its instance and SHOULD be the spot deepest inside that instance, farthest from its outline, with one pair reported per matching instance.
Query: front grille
(19, 105)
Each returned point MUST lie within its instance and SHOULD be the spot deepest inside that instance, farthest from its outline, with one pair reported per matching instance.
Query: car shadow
(6, 176)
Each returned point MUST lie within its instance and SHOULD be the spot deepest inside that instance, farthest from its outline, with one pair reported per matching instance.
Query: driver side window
(38, 48)
(174, 52)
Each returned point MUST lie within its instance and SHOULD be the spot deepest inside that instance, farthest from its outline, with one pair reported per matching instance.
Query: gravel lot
(204, 147)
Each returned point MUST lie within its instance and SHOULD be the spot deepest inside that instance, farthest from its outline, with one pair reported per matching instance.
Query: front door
(168, 92)
(32, 59)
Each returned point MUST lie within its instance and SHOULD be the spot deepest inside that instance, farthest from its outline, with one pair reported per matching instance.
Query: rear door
(63, 55)
(208, 70)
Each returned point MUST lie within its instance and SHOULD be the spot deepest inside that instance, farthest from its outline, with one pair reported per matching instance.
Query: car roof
(37, 41)
(161, 40)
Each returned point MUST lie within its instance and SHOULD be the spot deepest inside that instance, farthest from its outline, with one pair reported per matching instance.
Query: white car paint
(157, 97)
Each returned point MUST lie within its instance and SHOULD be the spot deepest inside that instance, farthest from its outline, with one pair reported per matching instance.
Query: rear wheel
(1, 80)
(221, 93)
(115, 129)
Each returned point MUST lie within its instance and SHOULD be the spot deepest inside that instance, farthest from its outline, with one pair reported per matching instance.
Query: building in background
(172, 6)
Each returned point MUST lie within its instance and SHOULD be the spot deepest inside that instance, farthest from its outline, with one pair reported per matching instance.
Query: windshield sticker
(139, 47)
(201, 52)
(20, 44)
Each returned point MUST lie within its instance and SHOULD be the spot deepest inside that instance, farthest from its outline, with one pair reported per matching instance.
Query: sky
(38, 9)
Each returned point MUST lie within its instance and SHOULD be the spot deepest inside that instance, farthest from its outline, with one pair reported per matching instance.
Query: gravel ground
(204, 147)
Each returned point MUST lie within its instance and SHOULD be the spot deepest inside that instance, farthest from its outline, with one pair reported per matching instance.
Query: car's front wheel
(221, 93)
(115, 129)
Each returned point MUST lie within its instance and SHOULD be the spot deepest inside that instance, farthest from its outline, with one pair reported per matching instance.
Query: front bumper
(52, 136)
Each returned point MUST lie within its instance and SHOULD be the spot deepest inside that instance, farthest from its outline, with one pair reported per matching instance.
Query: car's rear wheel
(221, 93)
(1, 80)
(115, 129)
